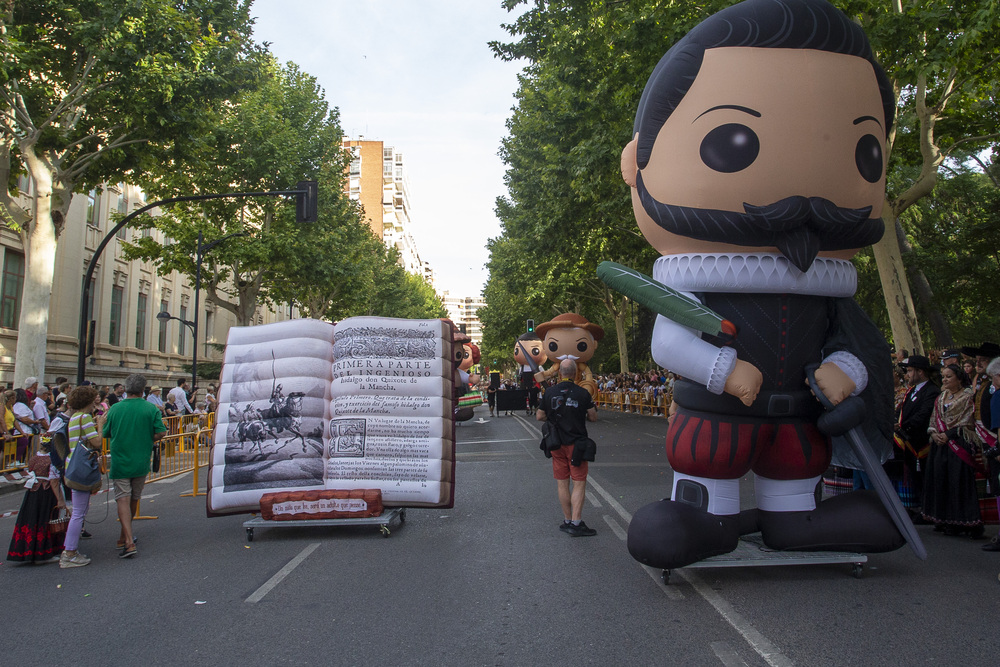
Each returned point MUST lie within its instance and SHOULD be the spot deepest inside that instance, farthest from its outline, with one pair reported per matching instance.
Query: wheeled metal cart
(752, 552)
(382, 521)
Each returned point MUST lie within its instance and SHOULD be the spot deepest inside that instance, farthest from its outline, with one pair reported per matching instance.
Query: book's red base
(305, 505)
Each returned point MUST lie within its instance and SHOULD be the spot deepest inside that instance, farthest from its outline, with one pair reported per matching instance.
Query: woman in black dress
(32, 541)
(950, 501)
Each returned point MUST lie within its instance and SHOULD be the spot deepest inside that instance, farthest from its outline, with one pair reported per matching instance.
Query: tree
(586, 63)
(96, 91)
(395, 292)
(270, 137)
(944, 60)
(567, 208)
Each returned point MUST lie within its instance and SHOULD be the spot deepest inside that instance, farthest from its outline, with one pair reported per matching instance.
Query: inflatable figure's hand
(540, 377)
(834, 383)
(744, 382)
(474, 379)
(671, 413)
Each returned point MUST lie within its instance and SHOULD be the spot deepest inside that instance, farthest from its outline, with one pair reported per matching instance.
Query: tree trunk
(40, 260)
(898, 301)
(938, 322)
(622, 339)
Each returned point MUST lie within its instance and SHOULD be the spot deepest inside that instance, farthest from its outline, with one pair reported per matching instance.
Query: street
(491, 582)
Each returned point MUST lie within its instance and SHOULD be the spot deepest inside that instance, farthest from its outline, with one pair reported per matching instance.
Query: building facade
(377, 179)
(125, 297)
(464, 310)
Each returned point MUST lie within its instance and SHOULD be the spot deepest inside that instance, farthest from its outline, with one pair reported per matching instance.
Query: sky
(420, 76)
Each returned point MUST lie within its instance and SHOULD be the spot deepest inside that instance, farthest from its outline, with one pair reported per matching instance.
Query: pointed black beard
(799, 227)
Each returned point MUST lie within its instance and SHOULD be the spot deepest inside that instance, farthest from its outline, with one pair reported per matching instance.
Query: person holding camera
(568, 407)
(992, 454)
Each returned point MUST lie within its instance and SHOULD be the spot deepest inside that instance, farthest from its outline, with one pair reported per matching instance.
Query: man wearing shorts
(569, 407)
(132, 425)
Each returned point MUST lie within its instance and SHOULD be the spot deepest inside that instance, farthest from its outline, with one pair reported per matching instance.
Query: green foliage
(586, 62)
(107, 90)
(567, 208)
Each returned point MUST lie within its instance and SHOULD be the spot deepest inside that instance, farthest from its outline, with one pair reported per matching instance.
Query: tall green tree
(270, 137)
(567, 208)
(944, 60)
(103, 90)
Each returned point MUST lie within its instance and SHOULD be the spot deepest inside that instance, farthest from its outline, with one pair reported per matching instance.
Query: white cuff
(852, 367)
(724, 365)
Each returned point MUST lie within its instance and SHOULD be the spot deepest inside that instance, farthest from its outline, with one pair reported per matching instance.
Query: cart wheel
(249, 534)
(402, 516)
(385, 530)
(857, 570)
(665, 577)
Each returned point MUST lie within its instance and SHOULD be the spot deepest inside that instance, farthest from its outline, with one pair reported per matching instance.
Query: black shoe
(85, 535)
(564, 526)
(580, 530)
(992, 545)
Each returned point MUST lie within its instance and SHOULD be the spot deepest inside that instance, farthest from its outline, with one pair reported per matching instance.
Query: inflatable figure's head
(470, 356)
(763, 130)
(570, 336)
(533, 345)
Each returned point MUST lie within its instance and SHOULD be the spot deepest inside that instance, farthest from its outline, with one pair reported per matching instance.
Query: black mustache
(800, 227)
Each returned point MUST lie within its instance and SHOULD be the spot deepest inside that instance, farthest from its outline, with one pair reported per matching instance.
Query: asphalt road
(491, 582)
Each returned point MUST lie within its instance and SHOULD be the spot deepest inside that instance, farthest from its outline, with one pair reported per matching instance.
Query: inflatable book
(305, 405)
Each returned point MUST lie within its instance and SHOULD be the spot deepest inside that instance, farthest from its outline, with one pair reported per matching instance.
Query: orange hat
(570, 321)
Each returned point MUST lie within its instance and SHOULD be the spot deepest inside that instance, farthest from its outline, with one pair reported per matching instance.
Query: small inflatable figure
(757, 171)
(570, 336)
(530, 357)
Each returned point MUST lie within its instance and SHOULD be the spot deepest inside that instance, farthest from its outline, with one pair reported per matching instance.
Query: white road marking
(282, 573)
(490, 442)
(727, 654)
(758, 642)
(764, 647)
(615, 528)
(672, 592)
(171, 480)
(593, 501)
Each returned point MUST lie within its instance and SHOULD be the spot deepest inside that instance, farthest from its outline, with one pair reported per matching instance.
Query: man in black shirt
(568, 408)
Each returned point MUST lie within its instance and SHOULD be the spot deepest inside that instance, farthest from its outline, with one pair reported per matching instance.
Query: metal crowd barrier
(188, 439)
(635, 402)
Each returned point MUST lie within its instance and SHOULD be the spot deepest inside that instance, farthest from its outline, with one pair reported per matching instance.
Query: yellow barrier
(189, 438)
(635, 402)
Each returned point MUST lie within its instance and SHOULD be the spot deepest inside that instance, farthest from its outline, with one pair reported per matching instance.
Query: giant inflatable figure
(570, 336)
(757, 169)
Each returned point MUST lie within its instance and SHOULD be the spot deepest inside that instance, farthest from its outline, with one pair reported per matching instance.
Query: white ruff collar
(755, 273)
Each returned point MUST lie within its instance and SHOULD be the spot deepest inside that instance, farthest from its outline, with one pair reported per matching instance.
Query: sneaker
(565, 525)
(992, 545)
(76, 560)
(128, 552)
(580, 531)
(85, 535)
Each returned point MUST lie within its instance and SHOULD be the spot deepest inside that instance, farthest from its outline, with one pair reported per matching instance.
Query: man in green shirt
(132, 425)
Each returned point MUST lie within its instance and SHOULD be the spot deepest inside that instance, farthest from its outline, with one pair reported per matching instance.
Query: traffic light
(307, 201)
(531, 326)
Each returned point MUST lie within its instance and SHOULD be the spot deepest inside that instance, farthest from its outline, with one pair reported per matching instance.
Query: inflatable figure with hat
(570, 336)
(757, 169)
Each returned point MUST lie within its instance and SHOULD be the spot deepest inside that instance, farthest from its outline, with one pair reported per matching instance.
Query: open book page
(273, 409)
(305, 405)
(391, 410)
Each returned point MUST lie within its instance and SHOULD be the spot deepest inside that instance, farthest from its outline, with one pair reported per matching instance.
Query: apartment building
(125, 298)
(377, 178)
(464, 310)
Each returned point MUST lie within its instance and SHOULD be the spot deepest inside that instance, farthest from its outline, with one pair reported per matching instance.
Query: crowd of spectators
(32, 408)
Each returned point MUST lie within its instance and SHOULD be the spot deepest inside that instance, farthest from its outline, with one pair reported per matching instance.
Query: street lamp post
(305, 211)
(164, 316)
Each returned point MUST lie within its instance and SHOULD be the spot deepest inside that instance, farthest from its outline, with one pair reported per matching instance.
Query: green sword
(665, 301)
